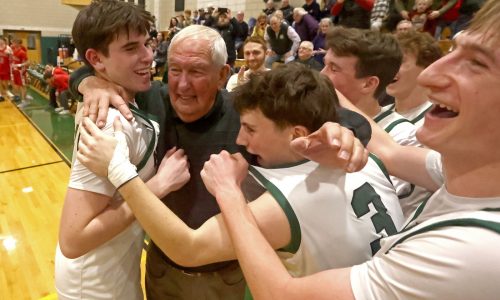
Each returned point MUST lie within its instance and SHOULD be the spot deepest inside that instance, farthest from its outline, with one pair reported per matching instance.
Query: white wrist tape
(120, 169)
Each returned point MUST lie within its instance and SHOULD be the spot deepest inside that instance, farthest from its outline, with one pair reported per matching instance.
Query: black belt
(195, 271)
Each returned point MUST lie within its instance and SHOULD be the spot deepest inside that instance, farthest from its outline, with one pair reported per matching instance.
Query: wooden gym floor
(35, 149)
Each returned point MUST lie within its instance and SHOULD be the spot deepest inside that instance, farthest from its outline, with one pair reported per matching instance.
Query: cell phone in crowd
(222, 10)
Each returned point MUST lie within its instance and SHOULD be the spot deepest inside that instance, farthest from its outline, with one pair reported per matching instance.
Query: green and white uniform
(112, 270)
(403, 132)
(415, 115)
(336, 219)
(449, 249)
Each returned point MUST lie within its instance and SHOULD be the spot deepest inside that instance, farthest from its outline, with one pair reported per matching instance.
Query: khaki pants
(164, 281)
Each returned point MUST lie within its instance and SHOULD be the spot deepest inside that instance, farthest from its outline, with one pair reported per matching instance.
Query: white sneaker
(29, 97)
(64, 112)
(23, 104)
(58, 109)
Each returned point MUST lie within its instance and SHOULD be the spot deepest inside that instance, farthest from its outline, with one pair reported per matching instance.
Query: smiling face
(305, 50)
(254, 55)
(193, 79)
(264, 139)
(465, 86)
(128, 62)
(342, 73)
(405, 81)
(422, 5)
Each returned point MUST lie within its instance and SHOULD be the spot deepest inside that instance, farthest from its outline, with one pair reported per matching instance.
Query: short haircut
(98, 24)
(421, 44)
(257, 40)
(289, 95)
(300, 11)
(217, 46)
(307, 44)
(378, 53)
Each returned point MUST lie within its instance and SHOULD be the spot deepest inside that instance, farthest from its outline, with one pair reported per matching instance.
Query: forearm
(264, 272)
(89, 220)
(114, 219)
(249, 243)
(398, 160)
(447, 6)
(181, 243)
(169, 232)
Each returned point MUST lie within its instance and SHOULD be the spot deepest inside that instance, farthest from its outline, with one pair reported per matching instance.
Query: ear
(370, 85)
(94, 58)
(223, 76)
(299, 131)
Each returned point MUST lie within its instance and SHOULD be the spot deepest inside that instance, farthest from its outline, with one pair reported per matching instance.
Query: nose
(147, 54)
(183, 81)
(240, 139)
(437, 75)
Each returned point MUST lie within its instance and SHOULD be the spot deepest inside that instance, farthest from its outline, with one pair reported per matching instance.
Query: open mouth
(443, 111)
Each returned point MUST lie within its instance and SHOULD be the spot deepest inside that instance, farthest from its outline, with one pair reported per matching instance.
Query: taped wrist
(120, 169)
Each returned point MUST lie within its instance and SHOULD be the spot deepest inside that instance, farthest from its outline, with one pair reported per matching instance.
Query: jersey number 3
(361, 198)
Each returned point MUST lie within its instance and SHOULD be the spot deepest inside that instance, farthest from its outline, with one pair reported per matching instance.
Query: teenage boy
(100, 243)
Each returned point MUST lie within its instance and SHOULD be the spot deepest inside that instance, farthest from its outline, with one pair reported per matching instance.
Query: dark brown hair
(97, 25)
(291, 94)
(378, 53)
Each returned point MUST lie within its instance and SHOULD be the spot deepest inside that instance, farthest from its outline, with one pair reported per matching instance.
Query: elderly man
(449, 249)
(282, 41)
(305, 56)
(197, 116)
(254, 51)
(305, 24)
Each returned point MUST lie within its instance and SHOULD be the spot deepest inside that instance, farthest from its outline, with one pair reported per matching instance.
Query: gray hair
(326, 20)
(299, 10)
(216, 45)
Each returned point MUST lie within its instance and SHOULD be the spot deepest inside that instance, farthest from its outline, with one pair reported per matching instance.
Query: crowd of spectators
(312, 20)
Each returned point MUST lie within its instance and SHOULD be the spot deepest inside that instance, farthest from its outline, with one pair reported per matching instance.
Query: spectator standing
(305, 24)
(419, 15)
(446, 16)
(229, 29)
(353, 13)
(287, 10)
(19, 64)
(379, 14)
(5, 56)
(160, 54)
(270, 8)
(313, 9)
(242, 32)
